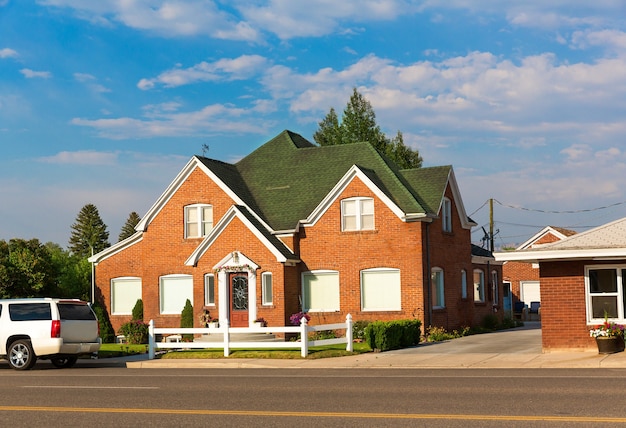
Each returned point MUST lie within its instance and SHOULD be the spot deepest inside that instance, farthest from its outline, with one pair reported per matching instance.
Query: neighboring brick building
(523, 278)
(582, 276)
(293, 226)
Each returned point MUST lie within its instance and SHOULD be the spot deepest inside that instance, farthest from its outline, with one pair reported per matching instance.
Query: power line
(556, 212)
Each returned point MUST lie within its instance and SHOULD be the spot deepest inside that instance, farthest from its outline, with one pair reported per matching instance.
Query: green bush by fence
(388, 335)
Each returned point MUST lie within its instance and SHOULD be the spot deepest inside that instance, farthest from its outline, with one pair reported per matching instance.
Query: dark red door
(239, 299)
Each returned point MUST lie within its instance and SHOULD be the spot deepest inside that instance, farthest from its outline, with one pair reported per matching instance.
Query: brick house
(293, 226)
(522, 279)
(582, 276)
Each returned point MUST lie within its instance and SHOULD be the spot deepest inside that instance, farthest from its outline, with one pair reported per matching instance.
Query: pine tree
(89, 233)
(128, 229)
(358, 123)
(186, 319)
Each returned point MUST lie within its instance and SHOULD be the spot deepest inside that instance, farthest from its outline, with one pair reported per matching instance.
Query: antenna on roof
(205, 149)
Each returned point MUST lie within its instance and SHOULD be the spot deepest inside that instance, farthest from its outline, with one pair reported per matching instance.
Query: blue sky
(104, 102)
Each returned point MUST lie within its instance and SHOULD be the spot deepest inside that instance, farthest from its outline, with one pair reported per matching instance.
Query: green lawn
(108, 350)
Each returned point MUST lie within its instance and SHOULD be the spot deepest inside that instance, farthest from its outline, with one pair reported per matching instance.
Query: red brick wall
(563, 313)
(516, 272)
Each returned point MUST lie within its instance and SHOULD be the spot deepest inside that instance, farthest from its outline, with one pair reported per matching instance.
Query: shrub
(136, 332)
(490, 322)
(138, 310)
(186, 319)
(389, 335)
(107, 334)
(358, 330)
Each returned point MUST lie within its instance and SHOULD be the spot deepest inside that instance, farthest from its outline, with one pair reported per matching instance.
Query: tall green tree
(74, 273)
(89, 233)
(358, 123)
(26, 269)
(128, 229)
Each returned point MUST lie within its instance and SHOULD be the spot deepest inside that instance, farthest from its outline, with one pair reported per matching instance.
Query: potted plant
(207, 320)
(609, 336)
(260, 322)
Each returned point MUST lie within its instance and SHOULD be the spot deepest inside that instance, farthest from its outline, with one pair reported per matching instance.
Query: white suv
(45, 328)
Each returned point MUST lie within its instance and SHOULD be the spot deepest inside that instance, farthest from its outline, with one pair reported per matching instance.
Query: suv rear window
(73, 311)
(30, 311)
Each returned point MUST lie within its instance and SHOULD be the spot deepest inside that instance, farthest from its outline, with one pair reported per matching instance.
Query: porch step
(239, 337)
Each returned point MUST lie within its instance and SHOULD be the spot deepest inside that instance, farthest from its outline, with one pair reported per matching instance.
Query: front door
(239, 299)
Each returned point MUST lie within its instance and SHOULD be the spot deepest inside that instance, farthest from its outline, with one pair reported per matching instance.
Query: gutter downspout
(427, 280)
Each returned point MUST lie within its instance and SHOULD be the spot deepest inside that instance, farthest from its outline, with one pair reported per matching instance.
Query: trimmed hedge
(388, 335)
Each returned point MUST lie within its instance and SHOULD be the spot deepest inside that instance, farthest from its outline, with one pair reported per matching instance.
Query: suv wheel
(64, 362)
(21, 355)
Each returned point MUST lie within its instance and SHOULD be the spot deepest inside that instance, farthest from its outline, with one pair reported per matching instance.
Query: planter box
(610, 345)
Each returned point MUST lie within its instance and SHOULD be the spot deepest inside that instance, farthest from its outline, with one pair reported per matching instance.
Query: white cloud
(167, 18)
(164, 122)
(31, 74)
(82, 157)
(225, 69)
(8, 53)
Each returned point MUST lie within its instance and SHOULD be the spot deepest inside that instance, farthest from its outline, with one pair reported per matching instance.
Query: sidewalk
(516, 348)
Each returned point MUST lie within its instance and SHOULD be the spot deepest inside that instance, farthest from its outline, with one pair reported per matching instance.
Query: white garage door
(530, 292)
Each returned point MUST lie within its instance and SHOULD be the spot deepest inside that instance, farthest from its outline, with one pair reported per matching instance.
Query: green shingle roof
(285, 179)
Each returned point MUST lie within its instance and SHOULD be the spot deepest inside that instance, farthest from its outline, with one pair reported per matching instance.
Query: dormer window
(357, 214)
(198, 220)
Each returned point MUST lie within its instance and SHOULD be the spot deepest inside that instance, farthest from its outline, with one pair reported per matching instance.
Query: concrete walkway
(515, 348)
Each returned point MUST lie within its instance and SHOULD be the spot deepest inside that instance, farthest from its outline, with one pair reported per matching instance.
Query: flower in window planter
(607, 329)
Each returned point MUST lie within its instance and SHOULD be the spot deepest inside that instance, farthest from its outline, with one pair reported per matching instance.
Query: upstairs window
(198, 220)
(446, 215)
(357, 214)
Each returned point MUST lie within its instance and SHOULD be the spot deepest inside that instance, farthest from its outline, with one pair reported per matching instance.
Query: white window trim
(359, 214)
(436, 287)
(201, 221)
(207, 301)
(113, 299)
(446, 215)
(180, 276)
(621, 315)
(319, 273)
(396, 307)
(481, 285)
(264, 298)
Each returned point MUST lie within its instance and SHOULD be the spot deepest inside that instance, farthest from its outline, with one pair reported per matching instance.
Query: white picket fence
(304, 329)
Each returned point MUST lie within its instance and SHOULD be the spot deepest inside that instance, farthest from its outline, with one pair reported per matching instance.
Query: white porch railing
(304, 329)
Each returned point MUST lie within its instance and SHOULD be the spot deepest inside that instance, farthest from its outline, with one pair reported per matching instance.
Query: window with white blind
(357, 214)
(124, 295)
(380, 290)
(320, 291)
(198, 220)
(174, 290)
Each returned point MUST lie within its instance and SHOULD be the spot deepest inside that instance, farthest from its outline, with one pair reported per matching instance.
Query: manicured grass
(109, 350)
(329, 351)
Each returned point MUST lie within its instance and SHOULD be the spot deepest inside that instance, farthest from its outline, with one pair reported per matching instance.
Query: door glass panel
(240, 293)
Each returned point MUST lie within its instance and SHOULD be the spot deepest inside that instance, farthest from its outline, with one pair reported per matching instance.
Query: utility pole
(491, 225)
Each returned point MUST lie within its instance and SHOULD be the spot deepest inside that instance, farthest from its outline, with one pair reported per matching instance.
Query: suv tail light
(55, 331)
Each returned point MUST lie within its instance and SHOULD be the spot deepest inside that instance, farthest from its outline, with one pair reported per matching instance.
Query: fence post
(349, 337)
(226, 329)
(151, 340)
(304, 338)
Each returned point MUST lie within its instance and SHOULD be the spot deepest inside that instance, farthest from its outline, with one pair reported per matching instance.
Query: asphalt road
(107, 396)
